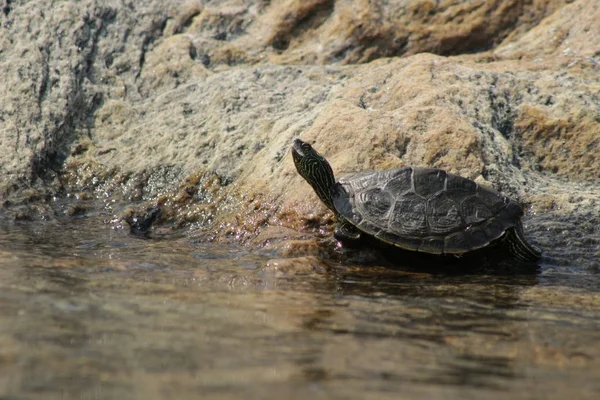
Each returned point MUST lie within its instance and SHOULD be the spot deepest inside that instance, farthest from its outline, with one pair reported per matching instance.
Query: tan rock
(326, 31)
(564, 146)
(568, 37)
(171, 63)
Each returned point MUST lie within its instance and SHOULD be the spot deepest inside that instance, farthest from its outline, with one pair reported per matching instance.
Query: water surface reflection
(89, 312)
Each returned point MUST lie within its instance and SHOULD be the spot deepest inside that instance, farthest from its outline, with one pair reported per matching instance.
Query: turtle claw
(347, 234)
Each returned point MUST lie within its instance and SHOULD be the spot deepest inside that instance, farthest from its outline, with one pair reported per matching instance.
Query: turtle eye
(306, 146)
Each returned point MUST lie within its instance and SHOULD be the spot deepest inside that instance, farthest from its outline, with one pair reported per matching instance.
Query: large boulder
(194, 105)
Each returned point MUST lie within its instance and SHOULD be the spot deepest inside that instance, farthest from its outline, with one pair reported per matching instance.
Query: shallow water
(91, 312)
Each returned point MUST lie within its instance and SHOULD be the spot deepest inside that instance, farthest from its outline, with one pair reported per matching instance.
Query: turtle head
(316, 170)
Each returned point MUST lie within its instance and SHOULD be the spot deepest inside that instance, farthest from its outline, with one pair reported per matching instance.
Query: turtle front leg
(346, 233)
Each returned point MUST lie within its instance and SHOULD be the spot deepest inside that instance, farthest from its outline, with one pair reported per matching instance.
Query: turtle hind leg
(347, 233)
(515, 242)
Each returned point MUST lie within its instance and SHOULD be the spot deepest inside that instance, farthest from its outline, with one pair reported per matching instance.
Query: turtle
(414, 208)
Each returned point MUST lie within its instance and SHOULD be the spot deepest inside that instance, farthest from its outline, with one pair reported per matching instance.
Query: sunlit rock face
(194, 104)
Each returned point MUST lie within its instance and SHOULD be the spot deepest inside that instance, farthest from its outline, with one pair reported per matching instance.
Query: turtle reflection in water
(420, 209)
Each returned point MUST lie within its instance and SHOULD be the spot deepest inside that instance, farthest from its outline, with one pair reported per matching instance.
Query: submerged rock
(147, 103)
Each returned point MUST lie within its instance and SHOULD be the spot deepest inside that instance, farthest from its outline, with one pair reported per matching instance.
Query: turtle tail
(515, 241)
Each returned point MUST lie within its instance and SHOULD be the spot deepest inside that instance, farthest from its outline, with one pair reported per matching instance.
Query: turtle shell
(425, 209)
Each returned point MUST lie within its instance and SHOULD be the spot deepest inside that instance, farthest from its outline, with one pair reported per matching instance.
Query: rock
(194, 107)
(53, 66)
(566, 38)
(300, 266)
(327, 31)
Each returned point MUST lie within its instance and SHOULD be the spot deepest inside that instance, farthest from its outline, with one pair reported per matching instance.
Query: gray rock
(57, 60)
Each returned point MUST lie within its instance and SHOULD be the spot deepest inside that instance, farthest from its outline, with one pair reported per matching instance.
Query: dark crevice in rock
(193, 52)
(221, 36)
(361, 102)
(470, 44)
(224, 180)
(156, 31)
(186, 22)
(97, 29)
(369, 44)
(81, 105)
(18, 138)
(6, 8)
(516, 18)
(311, 18)
(44, 84)
(502, 113)
(92, 32)
(280, 42)
(484, 36)
(341, 53)
(402, 145)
